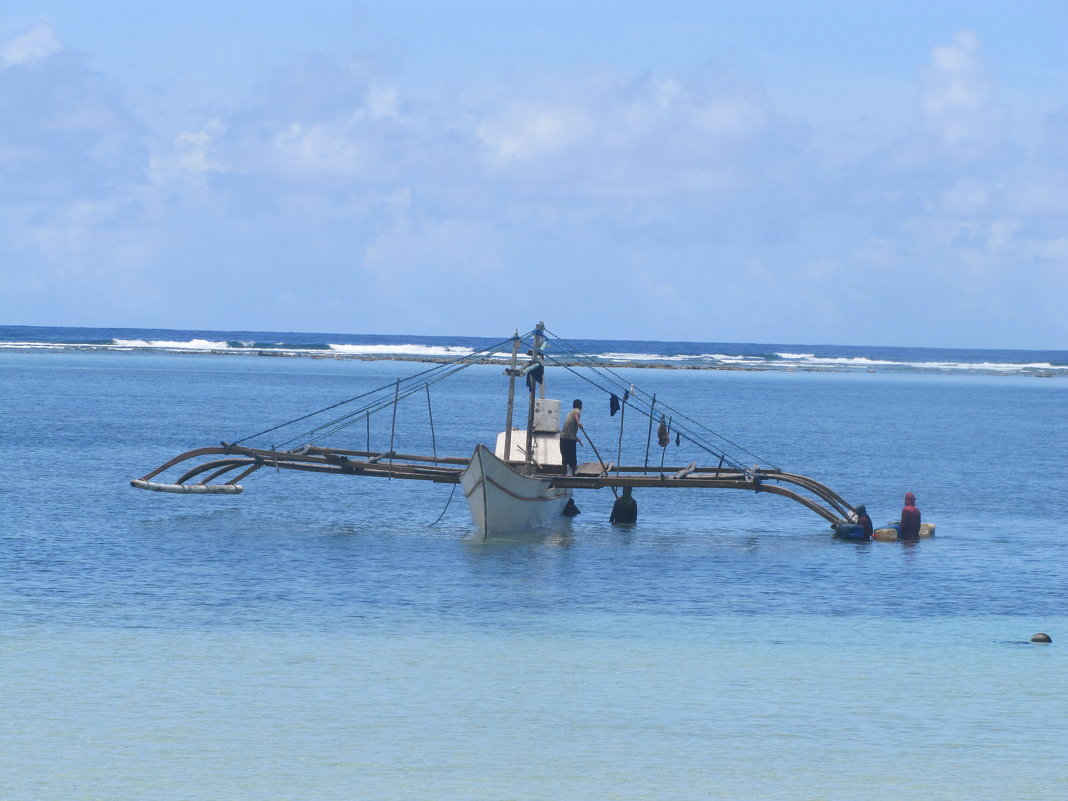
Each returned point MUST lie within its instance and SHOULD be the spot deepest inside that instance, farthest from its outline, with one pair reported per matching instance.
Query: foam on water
(643, 357)
(192, 344)
(401, 350)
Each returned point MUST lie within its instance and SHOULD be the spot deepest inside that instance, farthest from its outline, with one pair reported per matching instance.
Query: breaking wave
(618, 353)
(192, 344)
(402, 350)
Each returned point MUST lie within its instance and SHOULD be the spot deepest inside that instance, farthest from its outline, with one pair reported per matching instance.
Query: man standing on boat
(569, 440)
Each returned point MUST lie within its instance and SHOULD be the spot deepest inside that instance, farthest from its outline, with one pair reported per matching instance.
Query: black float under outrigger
(302, 449)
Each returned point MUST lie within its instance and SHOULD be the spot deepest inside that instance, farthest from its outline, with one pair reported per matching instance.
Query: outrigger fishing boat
(522, 483)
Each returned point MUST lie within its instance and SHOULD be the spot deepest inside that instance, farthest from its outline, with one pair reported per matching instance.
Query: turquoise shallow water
(634, 707)
(315, 639)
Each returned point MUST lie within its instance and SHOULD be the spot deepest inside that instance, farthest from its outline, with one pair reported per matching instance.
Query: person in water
(569, 438)
(864, 521)
(910, 519)
(625, 509)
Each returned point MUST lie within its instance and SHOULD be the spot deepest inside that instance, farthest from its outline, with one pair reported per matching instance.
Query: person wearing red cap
(910, 519)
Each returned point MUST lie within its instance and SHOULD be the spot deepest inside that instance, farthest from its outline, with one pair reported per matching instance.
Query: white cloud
(88, 256)
(957, 99)
(330, 148)
(644, 151)
(319, 127)
(1001, 234)
(532, 130)
(192, 155)
(36, 44)
(422, 257)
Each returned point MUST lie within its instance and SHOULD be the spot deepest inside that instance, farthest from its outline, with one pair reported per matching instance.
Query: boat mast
(535, 358)
(512, 373)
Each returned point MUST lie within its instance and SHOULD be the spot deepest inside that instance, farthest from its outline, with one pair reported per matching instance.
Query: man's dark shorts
(568, 449)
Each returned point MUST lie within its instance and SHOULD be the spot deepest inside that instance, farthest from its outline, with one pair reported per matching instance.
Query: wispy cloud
(958, 99)
(36, 44)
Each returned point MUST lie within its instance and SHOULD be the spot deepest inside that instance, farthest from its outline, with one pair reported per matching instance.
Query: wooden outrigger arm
(314, 459)
(242, 462)
(833, 508)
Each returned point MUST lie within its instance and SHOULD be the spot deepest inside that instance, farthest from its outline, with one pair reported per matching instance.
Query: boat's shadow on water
(559, 535)
(568, 533)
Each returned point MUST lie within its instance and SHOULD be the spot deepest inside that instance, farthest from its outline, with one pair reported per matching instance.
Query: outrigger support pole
(649, 436)
(539, 343)
(512, 372)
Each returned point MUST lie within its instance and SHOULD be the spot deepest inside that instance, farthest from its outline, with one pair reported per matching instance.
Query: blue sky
(819, 172)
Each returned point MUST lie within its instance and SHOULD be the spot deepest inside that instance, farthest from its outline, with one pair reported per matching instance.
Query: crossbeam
(827, 503)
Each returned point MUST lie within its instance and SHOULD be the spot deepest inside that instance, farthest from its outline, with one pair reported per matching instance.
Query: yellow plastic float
(890, 533)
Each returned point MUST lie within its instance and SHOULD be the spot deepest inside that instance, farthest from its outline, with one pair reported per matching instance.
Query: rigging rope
(443, 370)
(340, 423)
(608, 375)
(451, 493)
(443, 511)
(607, 381)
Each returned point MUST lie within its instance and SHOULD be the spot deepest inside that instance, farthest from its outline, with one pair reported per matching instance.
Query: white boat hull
(502, 500)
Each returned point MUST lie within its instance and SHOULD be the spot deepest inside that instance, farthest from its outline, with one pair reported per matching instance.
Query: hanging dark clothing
(535, 376)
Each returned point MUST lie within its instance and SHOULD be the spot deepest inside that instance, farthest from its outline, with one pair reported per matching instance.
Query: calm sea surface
(316, 638)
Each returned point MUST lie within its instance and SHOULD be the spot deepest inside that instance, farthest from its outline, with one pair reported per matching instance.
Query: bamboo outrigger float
(523, 482)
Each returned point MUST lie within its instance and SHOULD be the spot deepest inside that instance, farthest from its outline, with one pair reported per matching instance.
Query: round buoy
(1040, 637)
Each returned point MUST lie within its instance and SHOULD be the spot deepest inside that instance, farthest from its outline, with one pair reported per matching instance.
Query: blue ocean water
(318, 638)
(737, 355)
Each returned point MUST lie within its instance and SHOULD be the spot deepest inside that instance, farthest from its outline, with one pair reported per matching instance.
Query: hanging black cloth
(535, 375)
(678, 439)
(613, 405)
(663, 435)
